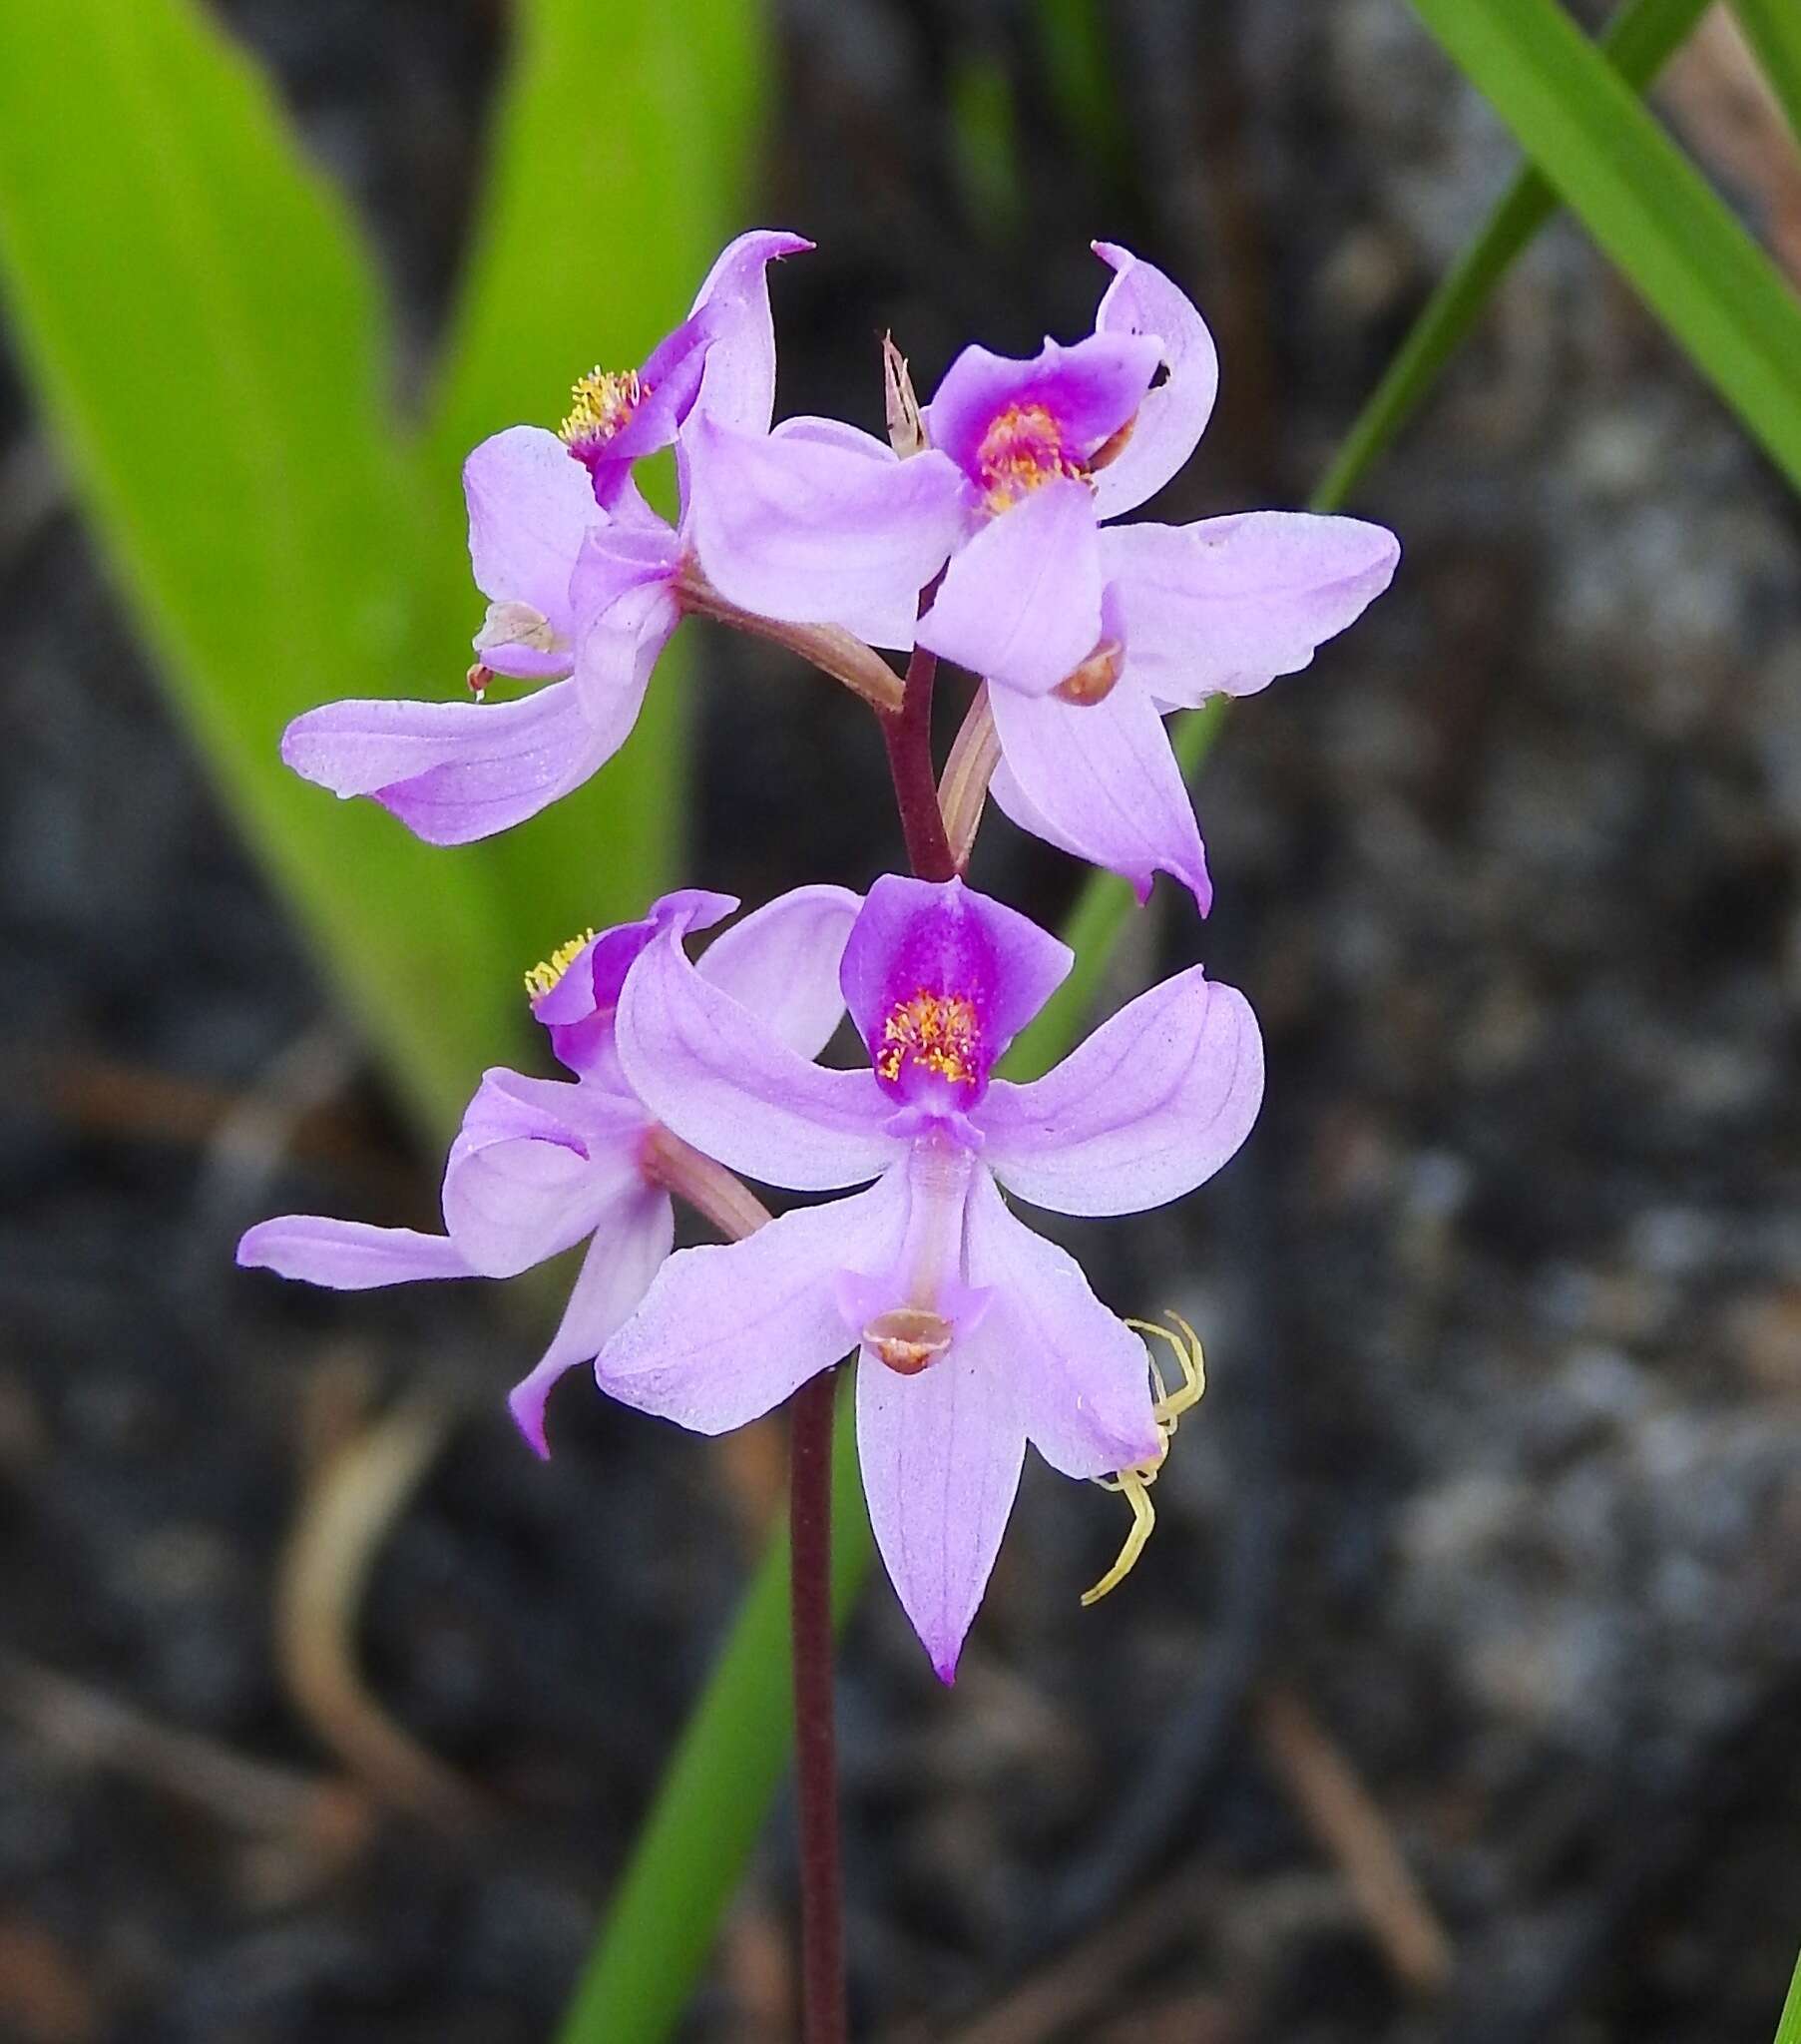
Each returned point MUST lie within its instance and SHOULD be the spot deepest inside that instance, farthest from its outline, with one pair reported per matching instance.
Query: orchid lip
(1094, 681)
(908, 1337)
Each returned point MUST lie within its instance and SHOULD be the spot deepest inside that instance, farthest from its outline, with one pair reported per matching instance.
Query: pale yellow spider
(1134, 1483)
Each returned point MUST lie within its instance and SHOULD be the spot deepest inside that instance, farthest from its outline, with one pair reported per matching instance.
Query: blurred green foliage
(1773, 29)
(1650, 211)
(212, 346)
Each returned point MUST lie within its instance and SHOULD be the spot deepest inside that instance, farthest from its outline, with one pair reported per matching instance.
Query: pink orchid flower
(543, 1164)
(578, 570)
(975, 1334)
(1086, 632)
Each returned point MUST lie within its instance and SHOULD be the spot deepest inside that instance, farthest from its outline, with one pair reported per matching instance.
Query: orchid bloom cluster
(982, 531)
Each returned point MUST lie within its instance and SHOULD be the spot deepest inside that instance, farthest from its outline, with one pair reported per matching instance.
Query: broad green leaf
(1647, 207)
(735, 1750)
(616, 167)
(211, 347)
(1773, 29)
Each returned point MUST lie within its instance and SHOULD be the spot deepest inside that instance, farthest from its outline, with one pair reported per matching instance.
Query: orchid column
(980, 532)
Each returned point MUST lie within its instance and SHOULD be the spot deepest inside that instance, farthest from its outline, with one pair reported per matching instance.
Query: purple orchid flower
(1087, 633)
(543, 1164)
(579, 573)
(975, 1334)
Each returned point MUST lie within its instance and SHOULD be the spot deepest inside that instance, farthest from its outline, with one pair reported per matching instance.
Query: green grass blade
(604, 209)
(1638, 41)
(206, 334)
(686, 1864)
(1788, 2029)
(1647, 207)
(1773, 29)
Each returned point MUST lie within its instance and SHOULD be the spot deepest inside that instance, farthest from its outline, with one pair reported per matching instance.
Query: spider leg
(1136, 1488)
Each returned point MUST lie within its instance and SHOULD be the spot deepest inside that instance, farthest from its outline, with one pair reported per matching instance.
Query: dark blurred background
(1458, 1694)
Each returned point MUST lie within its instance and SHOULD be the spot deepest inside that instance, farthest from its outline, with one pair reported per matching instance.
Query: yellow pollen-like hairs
(545, 975)
(1021, 452)
(1134, 1483)
(600, 403)
(938, 1031)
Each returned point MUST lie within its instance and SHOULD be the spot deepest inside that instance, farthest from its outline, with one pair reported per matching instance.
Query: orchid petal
(1079, 1374)
(576, 1008)
(941, 937)
(1099, 779)
(812, 532)
(1225, 606)
(1021, 604)
(737, 387)
(1154, 1103)
(530, 507)
(1087, 392)
(536, 1164)
(887, 619)
(782, 963)
(1170, 420)
(630, 1244)
(348, 1256)
(729, 1330)
(615, 656)
(451, 771)
(941, 1454)
(726, 1084)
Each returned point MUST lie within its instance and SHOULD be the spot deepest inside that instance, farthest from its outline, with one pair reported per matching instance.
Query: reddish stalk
(907, 732)
(822, 2002)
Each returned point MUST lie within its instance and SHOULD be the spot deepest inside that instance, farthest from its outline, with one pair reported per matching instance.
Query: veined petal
(737, 387)
(729, 1330)
(1077, 1373)
(1170, 420)
(782, 963)
(451, 771)
(1154, 1103)
(1021, 604)
(630, 1242)
(725, 1082)
(1225, 606)
(536, 1164)
(348, 1256)
(615, 656)
(808, 531)
(889, 618)
(1099, 779)
(941, 1454)
(530, 507)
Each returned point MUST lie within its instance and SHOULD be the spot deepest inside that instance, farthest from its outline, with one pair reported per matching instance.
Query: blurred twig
(84, 1725)
(351, 1503)
(1345, 1819)
(1065, 1996)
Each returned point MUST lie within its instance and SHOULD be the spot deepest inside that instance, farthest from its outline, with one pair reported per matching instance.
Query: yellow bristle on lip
(938, 1031)
(549, 971)
(600, 403)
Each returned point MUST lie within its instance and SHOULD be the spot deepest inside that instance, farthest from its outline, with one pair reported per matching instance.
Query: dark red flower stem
(907, 732)
(823, 2000)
